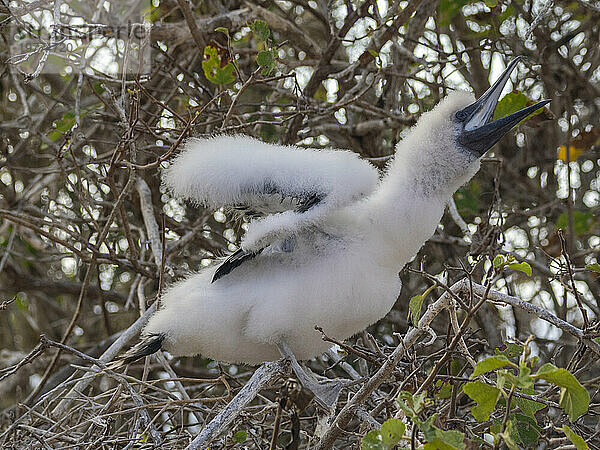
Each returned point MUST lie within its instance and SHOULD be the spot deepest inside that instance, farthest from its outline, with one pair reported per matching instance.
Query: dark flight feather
(241, 256)
(147, 346)
(234, 260)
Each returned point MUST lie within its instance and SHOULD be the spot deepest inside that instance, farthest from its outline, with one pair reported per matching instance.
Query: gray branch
(259, 380)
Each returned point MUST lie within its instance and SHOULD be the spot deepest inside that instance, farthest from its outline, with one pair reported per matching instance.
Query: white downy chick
(327, 239)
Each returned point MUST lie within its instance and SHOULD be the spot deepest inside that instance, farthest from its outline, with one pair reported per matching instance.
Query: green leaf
(501, 376)
(577, 440)
(152, 13)
(372, 441)
(98, 88)
(521, 267)
(411, 404)
(438, 439)
(507, 436)
(528, 407)
(498, 261)
(438, 444)
(491, 363)
(67, 122)
(321, 93)
(239, 437)
(155, 14)
(467, 199)
(508, 13)
(390, 434)
(524, 380)
(533, 361)
(261, 30)
(456, 367)
(62, 126)
(414, 309)
(496, 426)
(142, 437)
(510, 103)
(416, 302)
(265, 58)
(392, 431)
(583, 222)
(594, 267)
(22, 303)
(509, 349)
(486, 397)
(54, 136)
(527, 429)
(223, 30)
(214, 70)
(444, 389)
(574, 398)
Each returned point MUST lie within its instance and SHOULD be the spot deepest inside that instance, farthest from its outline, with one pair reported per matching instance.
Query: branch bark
(261, 378)
(190, 19)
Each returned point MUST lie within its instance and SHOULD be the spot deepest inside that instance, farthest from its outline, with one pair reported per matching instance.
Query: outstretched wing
(284, 189)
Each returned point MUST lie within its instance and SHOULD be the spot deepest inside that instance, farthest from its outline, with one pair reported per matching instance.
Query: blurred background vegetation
(87, 112)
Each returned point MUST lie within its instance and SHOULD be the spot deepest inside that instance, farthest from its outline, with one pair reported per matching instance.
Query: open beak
(478, 135)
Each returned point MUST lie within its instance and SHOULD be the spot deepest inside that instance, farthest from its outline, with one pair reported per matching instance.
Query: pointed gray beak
(478, 135)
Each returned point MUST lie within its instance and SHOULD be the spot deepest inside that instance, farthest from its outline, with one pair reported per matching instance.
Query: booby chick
(326, 238)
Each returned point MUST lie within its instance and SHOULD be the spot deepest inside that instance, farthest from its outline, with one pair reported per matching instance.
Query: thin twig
(110, 353)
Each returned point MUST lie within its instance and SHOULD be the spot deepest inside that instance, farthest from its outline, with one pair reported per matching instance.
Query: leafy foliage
(216, 69)
(467, 199)
(414, 307)
(522, 428)
(594, 267)
(266, 58)
(449, 9)
(509, 349)
(435, 437)
(63, 125)
(386, 438)
(510, 103)
(491, 363)
(574, 398)
(513, 102)
(501, 262)
(577, 440)
(261, 31)
(240, 437)
(486, 397)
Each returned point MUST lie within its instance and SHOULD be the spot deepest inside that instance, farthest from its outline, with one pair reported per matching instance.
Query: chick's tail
(147, 346)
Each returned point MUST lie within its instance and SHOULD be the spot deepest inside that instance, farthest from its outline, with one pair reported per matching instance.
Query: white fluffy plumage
(240, 170)
(334, 264)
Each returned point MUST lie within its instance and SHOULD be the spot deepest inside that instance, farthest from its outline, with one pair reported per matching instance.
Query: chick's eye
(460, 115)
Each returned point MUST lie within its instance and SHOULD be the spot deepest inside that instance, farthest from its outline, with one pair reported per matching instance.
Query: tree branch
(261, 378)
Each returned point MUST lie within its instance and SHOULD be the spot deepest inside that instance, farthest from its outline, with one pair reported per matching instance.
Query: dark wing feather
(234, 260)
(241, 256)
(309, 202)
(147, 346)
(269, 201)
